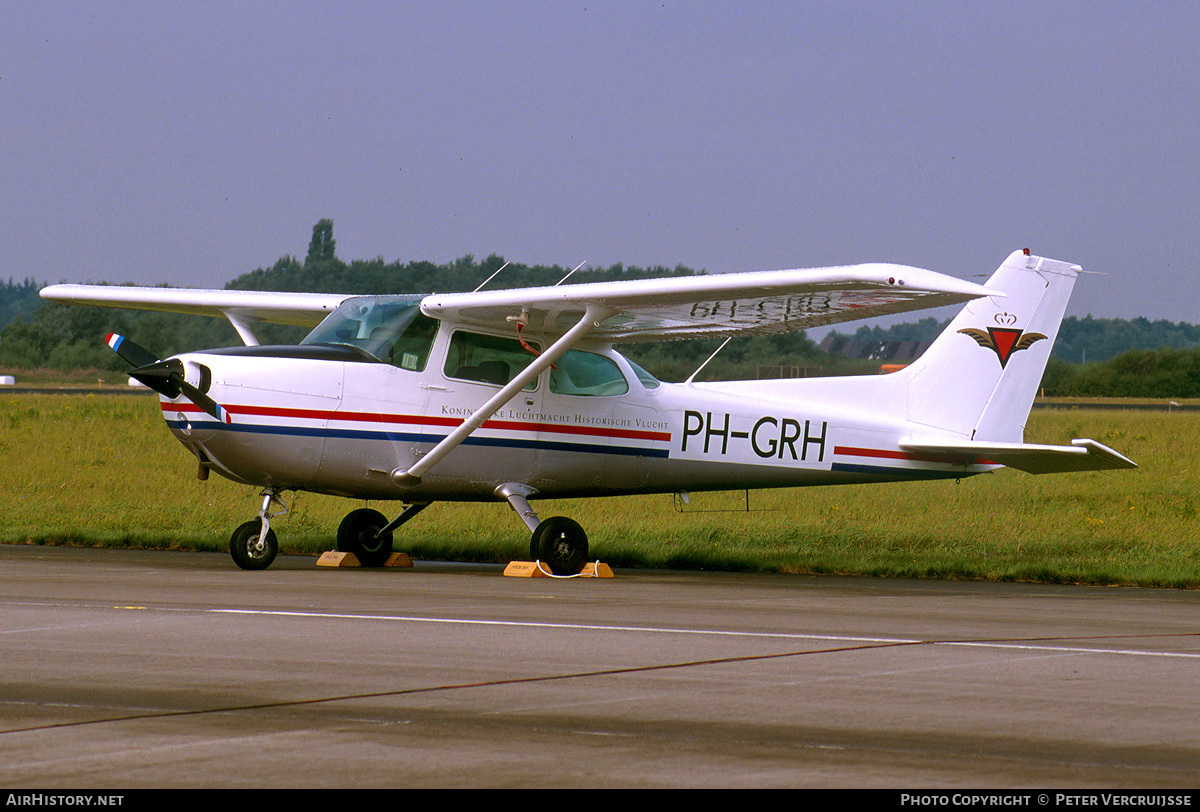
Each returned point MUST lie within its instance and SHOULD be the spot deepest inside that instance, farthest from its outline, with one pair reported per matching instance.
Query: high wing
(243, 308)
(760, 302)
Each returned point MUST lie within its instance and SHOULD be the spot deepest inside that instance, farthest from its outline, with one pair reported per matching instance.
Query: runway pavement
(126, 669)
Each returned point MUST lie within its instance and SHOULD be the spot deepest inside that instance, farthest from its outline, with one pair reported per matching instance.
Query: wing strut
(244, 325)
(592, 318)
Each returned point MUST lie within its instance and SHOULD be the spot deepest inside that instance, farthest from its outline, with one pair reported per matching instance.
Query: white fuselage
(343, 426)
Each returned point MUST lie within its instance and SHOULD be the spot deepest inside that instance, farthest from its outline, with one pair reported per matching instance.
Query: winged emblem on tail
(1004, 341)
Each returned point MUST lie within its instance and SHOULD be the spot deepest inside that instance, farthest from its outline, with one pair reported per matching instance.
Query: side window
(588, 375)
(487, 359)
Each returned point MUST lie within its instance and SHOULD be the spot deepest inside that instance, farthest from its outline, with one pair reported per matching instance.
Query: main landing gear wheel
(560, 544)
(359, 534)
(249, 550)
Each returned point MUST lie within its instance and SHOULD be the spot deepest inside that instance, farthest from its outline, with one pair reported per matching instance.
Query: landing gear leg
(368, 534)
(558, 542)
(254, 545)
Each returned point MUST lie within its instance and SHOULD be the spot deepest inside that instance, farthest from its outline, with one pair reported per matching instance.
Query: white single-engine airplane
(518, 395)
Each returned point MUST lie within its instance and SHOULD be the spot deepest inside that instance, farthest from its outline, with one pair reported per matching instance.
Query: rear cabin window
(644, 378)
(587, 374)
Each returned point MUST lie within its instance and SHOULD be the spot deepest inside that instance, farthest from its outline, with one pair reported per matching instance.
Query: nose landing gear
(251, 548)
(254, 545)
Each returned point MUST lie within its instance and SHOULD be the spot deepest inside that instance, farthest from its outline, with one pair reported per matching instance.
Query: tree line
(1110, 357)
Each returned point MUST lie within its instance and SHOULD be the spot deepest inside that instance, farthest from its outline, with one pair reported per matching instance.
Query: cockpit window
(390, 328)
(587, 374)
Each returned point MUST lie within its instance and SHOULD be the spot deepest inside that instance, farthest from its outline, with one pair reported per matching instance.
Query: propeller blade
(204, 402)
(135, 354)
(164, 377)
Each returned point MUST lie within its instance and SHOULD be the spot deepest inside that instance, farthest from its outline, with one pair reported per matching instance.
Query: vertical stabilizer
(979, 378)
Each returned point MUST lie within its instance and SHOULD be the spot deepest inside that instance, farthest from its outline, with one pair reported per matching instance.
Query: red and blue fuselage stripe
(296, 430)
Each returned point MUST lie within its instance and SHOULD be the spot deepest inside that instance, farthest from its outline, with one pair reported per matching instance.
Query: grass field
(104, 471)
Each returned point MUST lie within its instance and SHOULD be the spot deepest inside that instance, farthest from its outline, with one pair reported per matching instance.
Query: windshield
(390, 328)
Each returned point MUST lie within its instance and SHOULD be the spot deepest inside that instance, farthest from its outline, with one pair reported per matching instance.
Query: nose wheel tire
(560, 544)
(359, 534)
(249, 550)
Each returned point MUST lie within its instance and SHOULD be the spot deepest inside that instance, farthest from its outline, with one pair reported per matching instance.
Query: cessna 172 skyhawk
(518, 395)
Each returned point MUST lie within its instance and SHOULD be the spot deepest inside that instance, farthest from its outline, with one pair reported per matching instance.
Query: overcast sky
(191, 142)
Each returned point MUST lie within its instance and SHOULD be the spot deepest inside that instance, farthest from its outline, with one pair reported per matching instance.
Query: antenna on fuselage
(706, 360)
(493, 276)
(568, 276)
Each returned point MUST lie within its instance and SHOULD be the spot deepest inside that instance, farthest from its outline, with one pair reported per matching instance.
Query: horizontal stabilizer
(1081, 455)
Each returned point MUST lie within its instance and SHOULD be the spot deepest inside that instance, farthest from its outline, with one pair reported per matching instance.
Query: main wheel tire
(359, 534)
(560, 544)
(247, 552)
